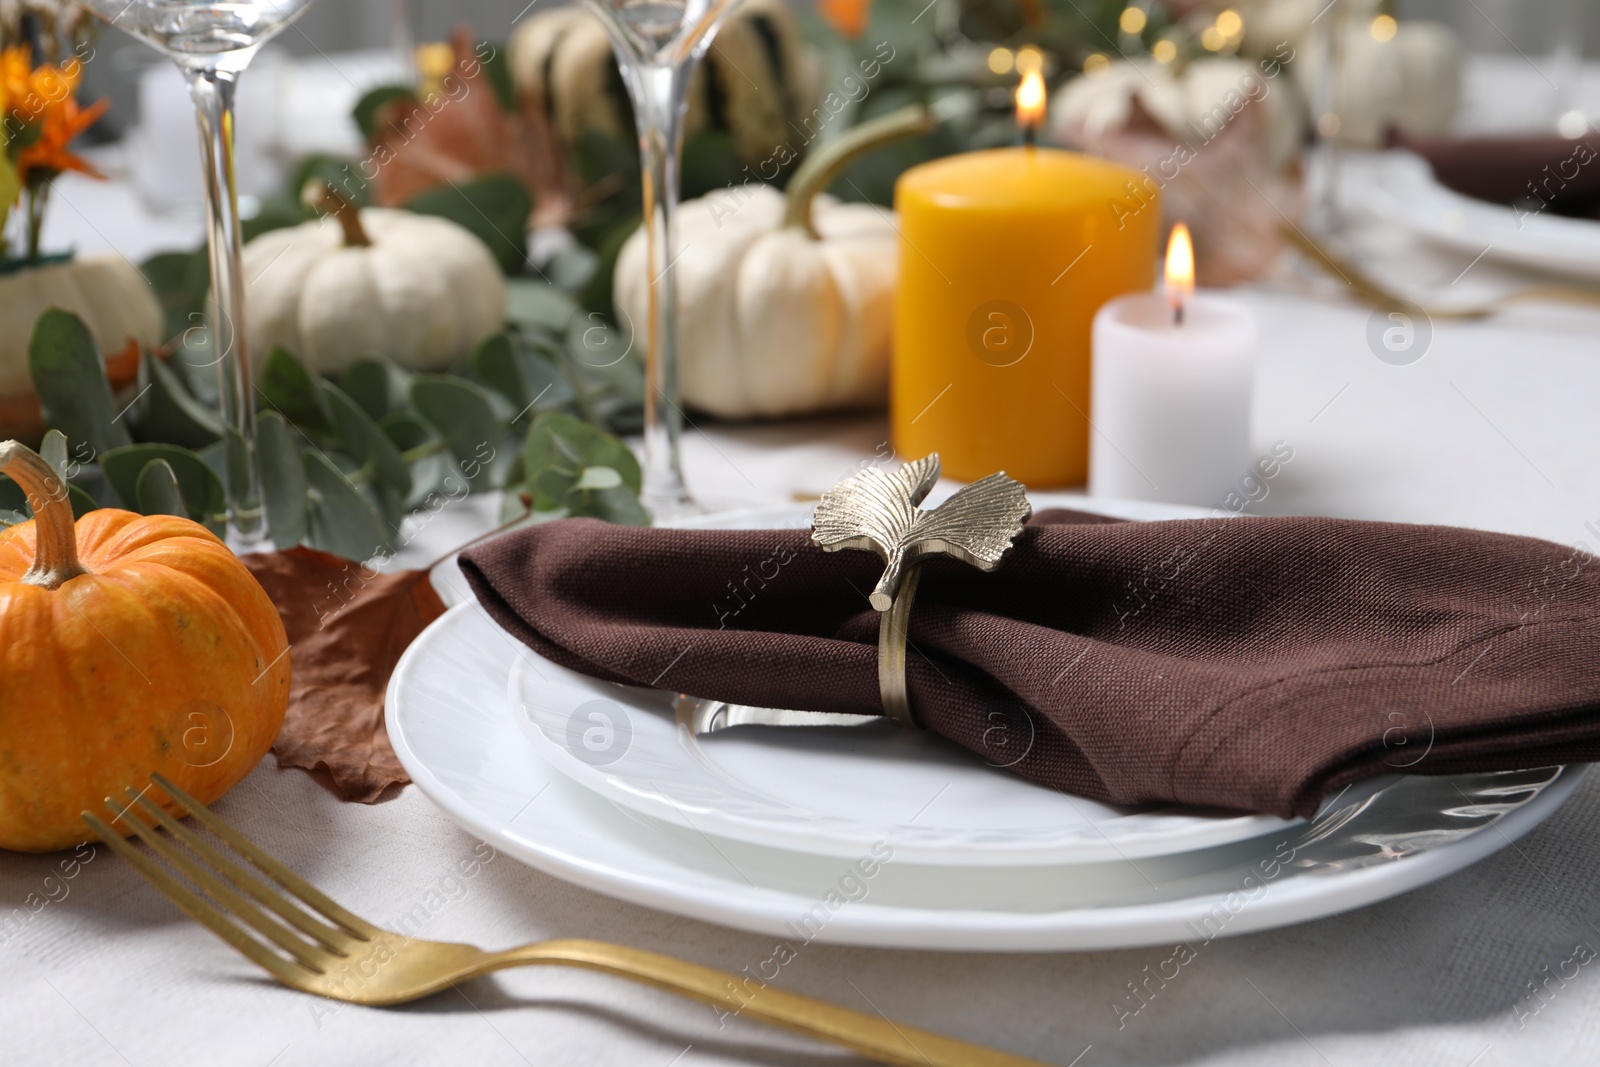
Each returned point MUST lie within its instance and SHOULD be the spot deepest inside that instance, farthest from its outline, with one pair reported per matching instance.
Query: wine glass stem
(660, 93)
(212, 90)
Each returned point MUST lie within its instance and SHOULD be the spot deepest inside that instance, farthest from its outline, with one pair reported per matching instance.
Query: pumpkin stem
(318, 195)
(56, 556)
(825, 164)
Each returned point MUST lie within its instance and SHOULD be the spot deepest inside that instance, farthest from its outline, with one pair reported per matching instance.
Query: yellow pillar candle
(1005, 256)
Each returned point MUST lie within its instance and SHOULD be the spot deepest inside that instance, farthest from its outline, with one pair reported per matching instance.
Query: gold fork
(309, 943)
(1375, 292)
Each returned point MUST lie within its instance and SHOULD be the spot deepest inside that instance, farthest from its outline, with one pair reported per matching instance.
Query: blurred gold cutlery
(309, 943)
(1375, 292)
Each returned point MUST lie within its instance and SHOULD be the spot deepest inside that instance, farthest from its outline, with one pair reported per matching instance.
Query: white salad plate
(1399, 187)
(455, 731)
(836, 791)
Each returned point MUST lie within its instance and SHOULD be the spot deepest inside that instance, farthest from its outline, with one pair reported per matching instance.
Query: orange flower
(847, 17)
(60, 123)
(15, 66)
(30, 92)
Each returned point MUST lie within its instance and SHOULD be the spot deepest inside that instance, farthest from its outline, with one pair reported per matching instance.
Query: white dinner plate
(1399, 187)
(455, 732)
(836, 791)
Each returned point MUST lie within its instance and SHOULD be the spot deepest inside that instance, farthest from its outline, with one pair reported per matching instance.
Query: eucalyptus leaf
(426, 451)
(12, 498)
(607, 243)
(373, 102)
(71, 382)
(374, 384)
(495, 363)
(559, 448)
(365, 440)
(532, 302)
(239, 467)
(572, 268)
(180, 281)
(13, 503)
(410, 433)
(608, 374)
(598, 478)
(526, 377)
(167, 413)
(551, 485)
(497, 69)
(494, 207)
(199, 484)
(283, 480)
(215, 456)
(464, 414)
(291, 390)
(337, 172)
(391, 504)
(53, 450)
(615, 504)
(157, 490)
(92, 481)
(82, 503)
(710, 161)
(339, 519)
(597, 346)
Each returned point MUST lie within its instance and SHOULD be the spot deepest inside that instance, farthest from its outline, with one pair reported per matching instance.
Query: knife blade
(703, 717)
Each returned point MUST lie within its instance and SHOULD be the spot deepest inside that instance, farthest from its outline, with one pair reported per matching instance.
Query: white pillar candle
(1171, 399)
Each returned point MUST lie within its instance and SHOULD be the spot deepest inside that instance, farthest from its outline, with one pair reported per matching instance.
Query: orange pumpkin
(128, 644)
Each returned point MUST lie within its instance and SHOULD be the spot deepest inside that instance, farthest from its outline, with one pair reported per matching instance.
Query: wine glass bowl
(197, 28)
(662, 32)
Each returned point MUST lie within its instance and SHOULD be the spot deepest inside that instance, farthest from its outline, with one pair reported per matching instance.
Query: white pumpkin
(776, 317)
(1193, 104)
(1413, 80)
(106, 291)
(417, 289)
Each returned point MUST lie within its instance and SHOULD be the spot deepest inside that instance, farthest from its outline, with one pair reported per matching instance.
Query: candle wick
(1030, 136)
(1177, 312)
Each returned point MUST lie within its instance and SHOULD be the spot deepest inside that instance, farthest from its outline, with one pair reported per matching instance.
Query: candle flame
(1180, 269)
(1031, 100)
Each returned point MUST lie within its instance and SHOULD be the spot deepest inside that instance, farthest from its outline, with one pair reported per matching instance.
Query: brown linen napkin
(1533, 173)
(1249, 663)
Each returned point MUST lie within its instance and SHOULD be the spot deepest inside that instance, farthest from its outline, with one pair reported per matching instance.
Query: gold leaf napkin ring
(877, 512)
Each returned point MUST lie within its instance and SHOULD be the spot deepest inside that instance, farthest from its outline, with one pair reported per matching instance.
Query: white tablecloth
(1494, 427)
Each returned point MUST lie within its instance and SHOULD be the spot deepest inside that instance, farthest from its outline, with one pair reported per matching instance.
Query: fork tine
(198, 908)
(274, 869)
(268, 896)
(311, 957)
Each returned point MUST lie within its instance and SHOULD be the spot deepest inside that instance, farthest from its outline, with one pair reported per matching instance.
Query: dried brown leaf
(347, 627)
(468, 134)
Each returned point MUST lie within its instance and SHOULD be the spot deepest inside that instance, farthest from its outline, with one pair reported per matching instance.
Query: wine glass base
(671, 505)
(247, 540)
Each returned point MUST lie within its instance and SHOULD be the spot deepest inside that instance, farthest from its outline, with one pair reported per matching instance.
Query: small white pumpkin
(785, 302)
(106, 291)
(416, 289)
